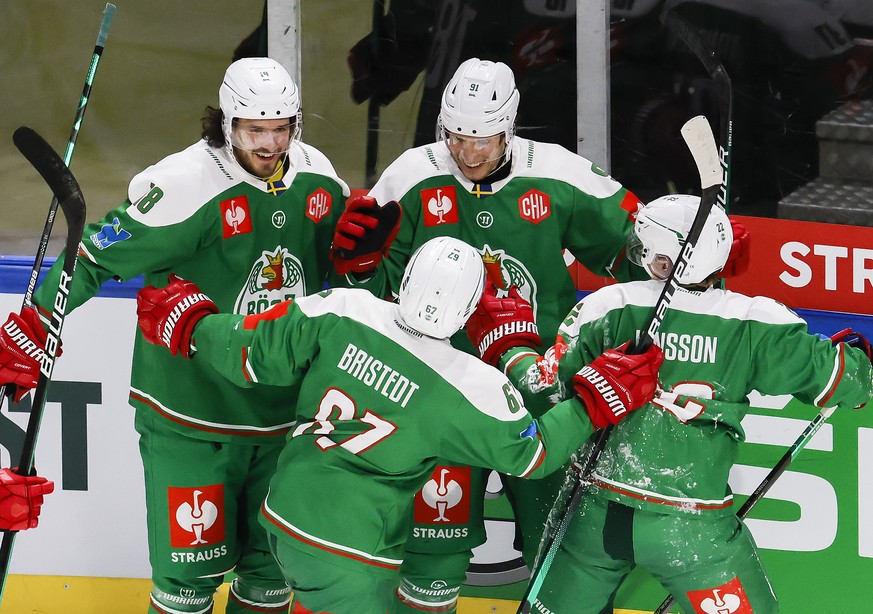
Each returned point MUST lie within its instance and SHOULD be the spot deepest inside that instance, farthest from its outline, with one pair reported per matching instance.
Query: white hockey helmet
(480, 100)
(660, 231)
(259, 88)
(441, 287)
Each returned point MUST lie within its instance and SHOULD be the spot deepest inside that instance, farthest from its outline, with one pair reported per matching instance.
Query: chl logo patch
(196, 515)
(318, 205)
(534, 206)
(728, 598)
(236, 216)
(440, 206)
(445, 499)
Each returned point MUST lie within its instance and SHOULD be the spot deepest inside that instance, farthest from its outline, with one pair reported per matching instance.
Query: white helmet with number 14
(441, 287)
(259, 88)
(659, 235)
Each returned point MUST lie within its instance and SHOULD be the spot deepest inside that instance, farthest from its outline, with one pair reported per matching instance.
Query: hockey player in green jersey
(248, 212)
(660, 496)
(382, 396)
(522, 203)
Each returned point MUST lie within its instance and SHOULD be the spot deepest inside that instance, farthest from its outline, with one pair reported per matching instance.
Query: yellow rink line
(85, 595)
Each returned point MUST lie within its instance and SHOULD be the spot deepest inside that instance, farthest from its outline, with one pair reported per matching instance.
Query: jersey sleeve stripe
(537, 460)
(248, 371)
(836, 376)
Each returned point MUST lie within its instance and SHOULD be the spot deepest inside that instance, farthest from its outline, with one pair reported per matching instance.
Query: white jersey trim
(328, 544)
(205, 423)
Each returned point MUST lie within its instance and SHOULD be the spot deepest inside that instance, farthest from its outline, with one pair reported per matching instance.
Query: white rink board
(100, 531)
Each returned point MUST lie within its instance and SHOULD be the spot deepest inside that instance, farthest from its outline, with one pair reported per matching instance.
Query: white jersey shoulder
(483, 386)
(551, 161)
(307, 159)
(411, 168)
(187, 180)
(714, 302)
(191, 178)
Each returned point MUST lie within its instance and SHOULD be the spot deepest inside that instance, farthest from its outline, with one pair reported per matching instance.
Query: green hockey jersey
(247, 243)
(379, 403)
(551, 201)
(674, 454)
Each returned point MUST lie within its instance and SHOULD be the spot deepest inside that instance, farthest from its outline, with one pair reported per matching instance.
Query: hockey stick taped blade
(701, 143)
(48, 163)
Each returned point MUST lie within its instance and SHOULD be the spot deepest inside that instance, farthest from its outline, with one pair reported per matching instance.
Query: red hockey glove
(738, 259)
(167, 316)
(616, 383)
(22, 346)
(853, 339)
(21, 498)
(499, 324)
(363, 235)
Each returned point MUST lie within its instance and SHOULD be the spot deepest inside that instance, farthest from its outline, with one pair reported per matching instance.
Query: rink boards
(813, 527)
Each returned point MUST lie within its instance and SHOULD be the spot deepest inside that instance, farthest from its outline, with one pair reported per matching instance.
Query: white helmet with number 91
(441, 287)
(480, 100)
(659, 235)
(259, 88)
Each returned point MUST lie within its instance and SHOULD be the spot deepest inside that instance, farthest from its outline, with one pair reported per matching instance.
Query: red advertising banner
(805, 265)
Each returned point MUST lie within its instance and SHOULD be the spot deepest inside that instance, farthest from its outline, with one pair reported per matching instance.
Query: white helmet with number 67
(659, 235)
(441, 287)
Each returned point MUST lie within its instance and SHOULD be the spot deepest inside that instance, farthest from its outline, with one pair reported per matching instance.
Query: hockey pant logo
(729, 598)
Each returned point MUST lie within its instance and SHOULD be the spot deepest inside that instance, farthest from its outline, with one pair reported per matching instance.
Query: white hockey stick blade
(701, 143)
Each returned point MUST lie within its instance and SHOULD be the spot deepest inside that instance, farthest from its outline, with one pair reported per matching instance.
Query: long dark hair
(211, 122)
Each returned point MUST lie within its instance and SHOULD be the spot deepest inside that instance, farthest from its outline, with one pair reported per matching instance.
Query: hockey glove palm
(21, 498)
(22, 347)
(616, 383)
(167, 316)
(363, 235)
(499, 324)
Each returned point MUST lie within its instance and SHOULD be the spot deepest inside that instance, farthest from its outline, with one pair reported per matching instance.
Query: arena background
(162, 64)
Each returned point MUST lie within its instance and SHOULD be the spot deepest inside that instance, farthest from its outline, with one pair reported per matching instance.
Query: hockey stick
(686, 32)
(373, 104)
(66, 189)
(108, 12)
(798, 445)
(698, 136)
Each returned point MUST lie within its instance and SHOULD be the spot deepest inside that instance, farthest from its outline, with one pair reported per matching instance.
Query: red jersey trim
(840, 368)
(653, 498)
(273, 432)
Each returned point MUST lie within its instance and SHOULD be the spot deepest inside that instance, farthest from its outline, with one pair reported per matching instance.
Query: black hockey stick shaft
(689, 35)
(701, 143)
(108, 13)
(775, 473)
(373, 104)
(66, 189)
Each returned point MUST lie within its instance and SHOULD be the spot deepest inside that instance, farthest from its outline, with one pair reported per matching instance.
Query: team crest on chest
(440, 206)
(275, 277)
(534, 206)
(235, 216)
(504, 270)
(318, 205)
